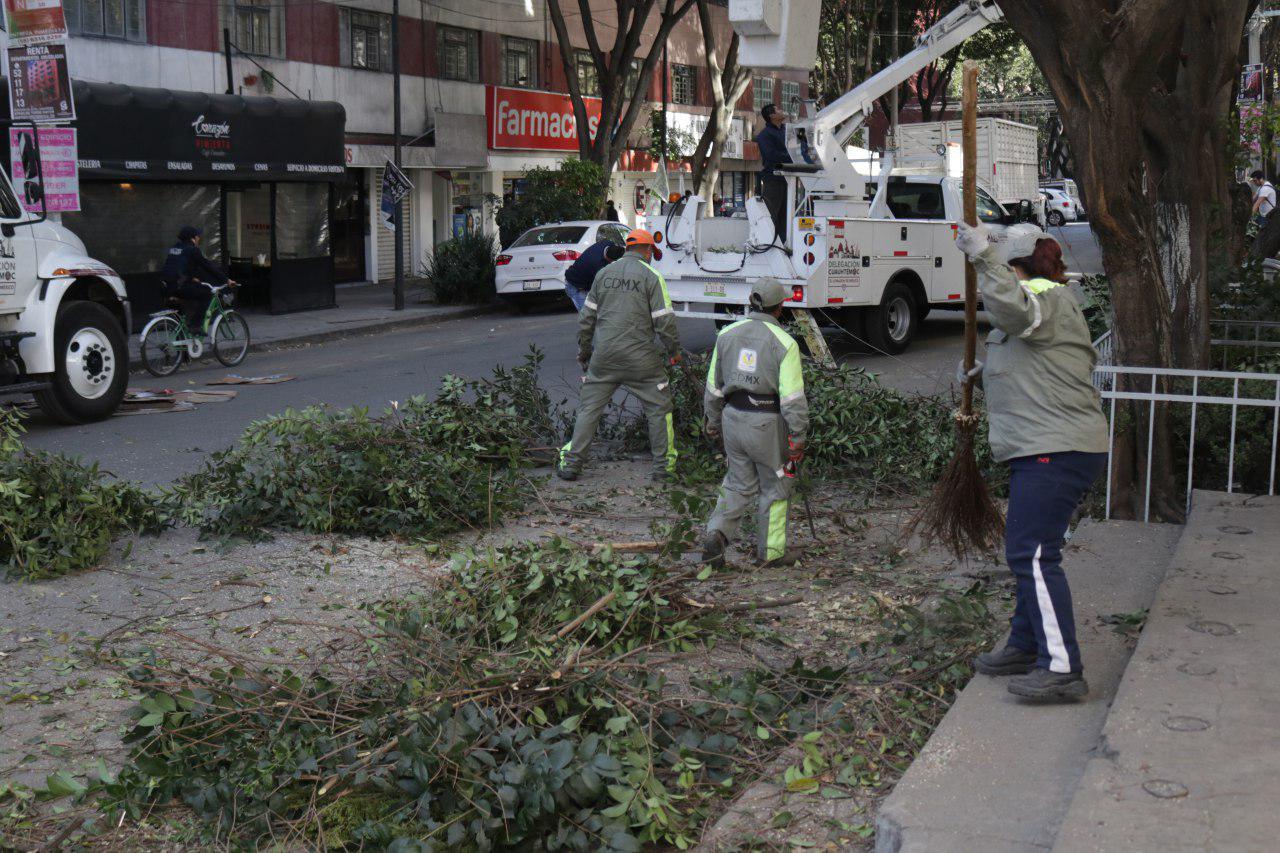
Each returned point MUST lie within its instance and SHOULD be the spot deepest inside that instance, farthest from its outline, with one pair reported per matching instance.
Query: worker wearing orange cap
(627, 308)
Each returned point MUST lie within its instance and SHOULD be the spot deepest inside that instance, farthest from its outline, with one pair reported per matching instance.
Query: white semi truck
(64, 317)
(876, 257)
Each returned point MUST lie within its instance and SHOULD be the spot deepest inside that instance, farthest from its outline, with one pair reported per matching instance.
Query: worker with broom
(755, 398)
(1046, 421)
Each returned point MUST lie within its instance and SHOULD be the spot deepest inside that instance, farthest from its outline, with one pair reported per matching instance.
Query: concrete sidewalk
(362, 309)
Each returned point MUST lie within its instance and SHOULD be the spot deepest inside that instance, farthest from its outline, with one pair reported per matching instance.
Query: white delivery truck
(64, 317)
(1008, 155)
(872, 247)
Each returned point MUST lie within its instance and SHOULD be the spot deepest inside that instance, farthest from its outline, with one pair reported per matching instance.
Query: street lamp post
(397, 219)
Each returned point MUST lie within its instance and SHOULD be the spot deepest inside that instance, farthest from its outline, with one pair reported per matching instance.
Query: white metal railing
(1154, 385)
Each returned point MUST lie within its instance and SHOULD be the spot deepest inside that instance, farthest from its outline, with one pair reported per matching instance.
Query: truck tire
(891, 325)
(90, 365)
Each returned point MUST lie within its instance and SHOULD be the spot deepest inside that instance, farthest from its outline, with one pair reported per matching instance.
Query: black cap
(188, 232)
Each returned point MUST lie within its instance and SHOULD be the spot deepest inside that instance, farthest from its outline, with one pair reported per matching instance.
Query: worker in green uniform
(755, 399)
(627, 307)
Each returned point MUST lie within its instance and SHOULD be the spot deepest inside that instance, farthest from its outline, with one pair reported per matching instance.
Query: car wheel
(91, 365)
(1056, 219)
(890, 326)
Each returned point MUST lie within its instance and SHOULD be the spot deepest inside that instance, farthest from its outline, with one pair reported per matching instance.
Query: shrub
(573, 190)
(462, 269)
(423, 468)
(58, 515)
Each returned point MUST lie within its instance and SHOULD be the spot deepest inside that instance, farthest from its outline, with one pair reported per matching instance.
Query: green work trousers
(654, 394)
(755, 446)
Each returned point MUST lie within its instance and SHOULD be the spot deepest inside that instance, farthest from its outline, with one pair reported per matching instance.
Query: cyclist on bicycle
(184, 272)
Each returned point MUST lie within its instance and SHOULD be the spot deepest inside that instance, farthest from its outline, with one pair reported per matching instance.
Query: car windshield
(552, 236)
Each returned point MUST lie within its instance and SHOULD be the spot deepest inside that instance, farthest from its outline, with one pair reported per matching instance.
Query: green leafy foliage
(461, 270)
(573, 190)
(423, 468)
(59, 515)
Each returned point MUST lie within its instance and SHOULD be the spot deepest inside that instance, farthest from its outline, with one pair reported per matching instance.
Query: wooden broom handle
(969, 135)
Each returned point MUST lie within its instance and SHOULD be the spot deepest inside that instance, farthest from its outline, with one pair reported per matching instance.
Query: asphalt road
(375, 369)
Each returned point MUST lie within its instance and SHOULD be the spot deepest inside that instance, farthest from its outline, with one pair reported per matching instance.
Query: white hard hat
(1018, 241)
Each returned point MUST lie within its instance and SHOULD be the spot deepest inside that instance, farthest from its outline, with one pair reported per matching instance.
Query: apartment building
(284, 175)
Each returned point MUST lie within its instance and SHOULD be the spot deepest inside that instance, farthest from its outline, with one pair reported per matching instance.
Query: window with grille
(519, 62)
(588, 79)
(459, 54)
(118, 19)
(633, 80)
(761, 92)
(368, 40)
(257, 26)
(790, 98)
(682, 83)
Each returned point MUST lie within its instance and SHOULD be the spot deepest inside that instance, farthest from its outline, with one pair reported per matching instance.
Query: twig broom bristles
(960, 513)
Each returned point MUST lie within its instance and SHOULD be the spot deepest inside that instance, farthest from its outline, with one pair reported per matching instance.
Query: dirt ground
(64, 644)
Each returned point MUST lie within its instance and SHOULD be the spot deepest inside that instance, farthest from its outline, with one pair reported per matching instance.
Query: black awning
(132, 133)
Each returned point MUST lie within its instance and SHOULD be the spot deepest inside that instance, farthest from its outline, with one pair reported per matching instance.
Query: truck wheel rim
(899, 318)
(91, 363)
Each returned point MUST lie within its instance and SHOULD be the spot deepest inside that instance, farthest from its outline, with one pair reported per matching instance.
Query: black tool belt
(745, 401)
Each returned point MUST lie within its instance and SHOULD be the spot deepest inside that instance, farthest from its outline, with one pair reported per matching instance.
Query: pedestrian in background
(611, 212)
(580, 275)
(627, 307)
(755, 399)
(1264, 198)
(1046, 421)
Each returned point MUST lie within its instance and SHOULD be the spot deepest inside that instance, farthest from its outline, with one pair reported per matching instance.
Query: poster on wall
(34, 21)
(57, 178)
(1252, 84)
(39, 84)
(395, 186)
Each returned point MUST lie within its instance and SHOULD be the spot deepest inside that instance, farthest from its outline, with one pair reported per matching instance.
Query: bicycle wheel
(230, 336)
(161, 351)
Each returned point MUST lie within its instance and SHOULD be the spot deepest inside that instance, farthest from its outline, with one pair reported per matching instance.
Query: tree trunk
(1144, 90)
(728, 83)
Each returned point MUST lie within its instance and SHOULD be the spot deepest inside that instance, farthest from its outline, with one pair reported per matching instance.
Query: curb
(397, 324)
(353, 331)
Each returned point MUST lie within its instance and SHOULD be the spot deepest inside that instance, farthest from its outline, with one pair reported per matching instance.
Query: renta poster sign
(528, 120)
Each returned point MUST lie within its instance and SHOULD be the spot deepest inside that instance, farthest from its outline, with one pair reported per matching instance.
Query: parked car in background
(532, 268)
(1059, 207)
(1068, 186)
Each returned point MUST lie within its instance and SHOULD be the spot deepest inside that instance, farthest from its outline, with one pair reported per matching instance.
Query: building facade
(461, 64)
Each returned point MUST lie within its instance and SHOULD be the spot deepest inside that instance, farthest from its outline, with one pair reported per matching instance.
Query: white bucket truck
(873, 248)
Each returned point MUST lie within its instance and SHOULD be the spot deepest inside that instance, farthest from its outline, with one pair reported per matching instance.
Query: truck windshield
(916, 201)
(9, 208)
(988, 210)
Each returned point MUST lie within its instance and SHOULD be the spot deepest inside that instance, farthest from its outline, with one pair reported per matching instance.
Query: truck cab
(64, 318)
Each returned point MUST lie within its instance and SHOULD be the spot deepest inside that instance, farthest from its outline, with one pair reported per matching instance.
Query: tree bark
(1144, 88)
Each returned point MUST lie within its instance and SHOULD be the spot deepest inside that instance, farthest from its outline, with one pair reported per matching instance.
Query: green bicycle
(167, 339)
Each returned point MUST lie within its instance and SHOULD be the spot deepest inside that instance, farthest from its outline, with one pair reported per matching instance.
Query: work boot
(567, 474)
(789, 557)
(662, 475)
(1006, 661)
(1049, 686)
(713, 545)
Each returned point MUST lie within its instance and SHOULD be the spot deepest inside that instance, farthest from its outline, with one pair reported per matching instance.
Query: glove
(584, 360)
(675, 359)
(971, 240)
(712, 430)
(795, 449)
(963, 376)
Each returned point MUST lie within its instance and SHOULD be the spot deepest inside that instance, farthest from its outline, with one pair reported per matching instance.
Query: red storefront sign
(538, 121)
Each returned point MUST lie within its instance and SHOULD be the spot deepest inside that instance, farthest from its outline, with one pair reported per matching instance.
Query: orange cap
(639, 237)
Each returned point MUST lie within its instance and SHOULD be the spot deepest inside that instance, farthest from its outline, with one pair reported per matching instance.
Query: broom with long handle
(960, 513)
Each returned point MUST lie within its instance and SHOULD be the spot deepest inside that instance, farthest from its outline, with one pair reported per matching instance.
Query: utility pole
(666, 79)
(397, 219)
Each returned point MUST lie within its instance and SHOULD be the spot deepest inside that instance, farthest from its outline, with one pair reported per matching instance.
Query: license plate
(533, 284)
(713, 290)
